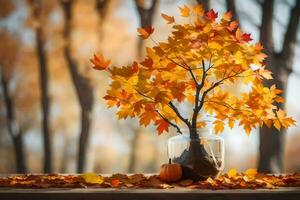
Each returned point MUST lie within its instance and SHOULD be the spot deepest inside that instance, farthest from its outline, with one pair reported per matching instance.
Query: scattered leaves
(250, 179)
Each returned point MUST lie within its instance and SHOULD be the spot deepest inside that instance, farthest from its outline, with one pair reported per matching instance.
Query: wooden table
(145, 194)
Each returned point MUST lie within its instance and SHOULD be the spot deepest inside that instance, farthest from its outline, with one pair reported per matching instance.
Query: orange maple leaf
(162, 125)
(135, 67)
(145, 32)
(99, 62)
(169, 19)
(227, 16)
(148, 62)
(115, 182)
(185, 11)
(232, 26)
(246, 37)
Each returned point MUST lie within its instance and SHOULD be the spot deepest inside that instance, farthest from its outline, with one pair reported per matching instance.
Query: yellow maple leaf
(219, 126)
(251, 172)
(265, 73)
(185, 11)
(99, 62)
(231, 123)
(283, 120)
(232, 173)
(198, 10)
(92, 178)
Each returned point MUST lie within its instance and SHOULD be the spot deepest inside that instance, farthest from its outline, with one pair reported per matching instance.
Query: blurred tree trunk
(280, 63)
(146, 18)
(45, 101)
(65, 155)
(14, 131)
(230, 4)
(133, 143)
(101, 7)
(83, 89)
(205, 3)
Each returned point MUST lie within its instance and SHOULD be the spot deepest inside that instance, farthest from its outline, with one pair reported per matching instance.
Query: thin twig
(167, 120)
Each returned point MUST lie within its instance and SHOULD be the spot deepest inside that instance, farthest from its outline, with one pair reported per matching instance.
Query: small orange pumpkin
(170, 172)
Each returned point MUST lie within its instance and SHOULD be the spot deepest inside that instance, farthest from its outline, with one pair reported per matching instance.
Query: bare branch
(189, 69)
(176, 63)
(171, 105)
(229, 106)
(174, 108)
(215, 85)
(167, 120)
(144, 95)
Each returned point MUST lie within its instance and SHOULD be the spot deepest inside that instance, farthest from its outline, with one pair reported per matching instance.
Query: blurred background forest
(53, 117)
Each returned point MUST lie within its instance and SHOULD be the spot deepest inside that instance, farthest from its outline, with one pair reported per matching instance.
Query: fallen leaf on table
(232, 173)
(115, 182)
(186, 182)
(92, 178)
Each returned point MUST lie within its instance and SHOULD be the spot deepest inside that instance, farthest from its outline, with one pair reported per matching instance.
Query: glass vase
(200, 157)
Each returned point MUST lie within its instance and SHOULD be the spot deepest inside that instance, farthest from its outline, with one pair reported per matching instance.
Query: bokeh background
(53, 117)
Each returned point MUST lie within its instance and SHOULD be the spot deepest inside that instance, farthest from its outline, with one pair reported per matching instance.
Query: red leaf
(246, 37)
(135, 67)
(115, 182)
(148, 62)
(212, 15)
(145, 32)
(232, 26)
(162, 125)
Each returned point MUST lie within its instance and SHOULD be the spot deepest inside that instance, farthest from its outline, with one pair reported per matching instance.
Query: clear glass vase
(201, 157)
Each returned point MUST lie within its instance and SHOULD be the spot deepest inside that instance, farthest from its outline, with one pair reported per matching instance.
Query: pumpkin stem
(170, 161)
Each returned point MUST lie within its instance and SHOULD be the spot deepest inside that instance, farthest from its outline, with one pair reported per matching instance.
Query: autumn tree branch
(144, 95)
(229, 106)
(174, 108)
(215, 85)
(171, 123)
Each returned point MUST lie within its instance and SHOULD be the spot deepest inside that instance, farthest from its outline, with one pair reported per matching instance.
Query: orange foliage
(192, 66)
